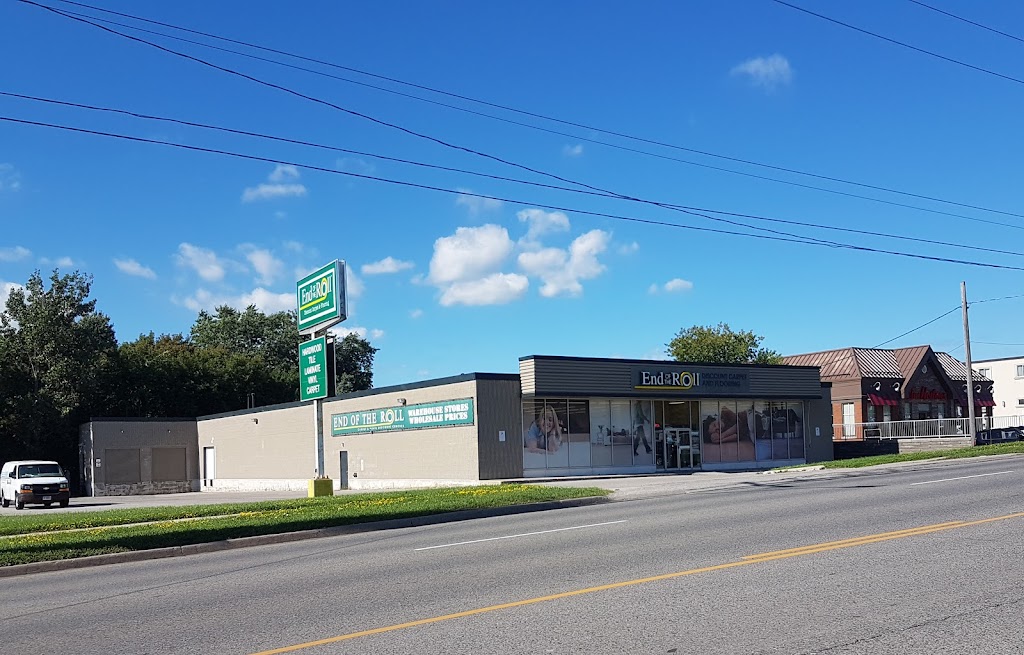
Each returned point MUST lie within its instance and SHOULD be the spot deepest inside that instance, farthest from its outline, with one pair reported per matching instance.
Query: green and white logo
(320, 297)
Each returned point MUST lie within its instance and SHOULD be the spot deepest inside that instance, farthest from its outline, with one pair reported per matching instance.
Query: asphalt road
(878, 568)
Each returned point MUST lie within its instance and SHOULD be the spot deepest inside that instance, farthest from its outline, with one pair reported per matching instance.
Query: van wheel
(64, 503)
(3, 501)
(18, 502)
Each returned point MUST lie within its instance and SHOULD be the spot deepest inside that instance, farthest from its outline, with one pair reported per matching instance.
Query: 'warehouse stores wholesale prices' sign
(412, 417)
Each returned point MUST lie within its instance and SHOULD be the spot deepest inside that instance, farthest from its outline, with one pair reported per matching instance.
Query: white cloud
(678, 284)
(476, 204)
(60, 262)
(541, 223)
(283, 172)
(629, 248)
(560, 270)
(14, 254)
(293, 246)
(354, 286)
(271, 191)
(10, 179)
(495, 289)
(573, 151)
(469, 254)
(266, 301)
(416, 313)
(675, 285)
(386, 265)
(202, 261)
(5, 291)
(132, 267)
(268, 267)
(340, 332)
(765, 72)
(355, 165)
(282, 184)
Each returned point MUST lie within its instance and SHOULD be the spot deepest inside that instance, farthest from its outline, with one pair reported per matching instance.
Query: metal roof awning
(882, 401)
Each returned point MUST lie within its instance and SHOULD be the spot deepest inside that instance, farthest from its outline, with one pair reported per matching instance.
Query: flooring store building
(558, 416)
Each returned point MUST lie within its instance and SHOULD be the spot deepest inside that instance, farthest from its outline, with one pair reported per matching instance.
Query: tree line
(61, 365)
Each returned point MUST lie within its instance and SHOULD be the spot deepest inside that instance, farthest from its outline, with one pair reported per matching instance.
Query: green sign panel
(313, 369)
(320, 297)
(411, 417)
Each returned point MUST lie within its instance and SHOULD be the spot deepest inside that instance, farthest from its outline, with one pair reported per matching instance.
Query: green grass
(952, 453)
(67, 535)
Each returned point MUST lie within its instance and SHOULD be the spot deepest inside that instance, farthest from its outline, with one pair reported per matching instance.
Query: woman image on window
(545, 433)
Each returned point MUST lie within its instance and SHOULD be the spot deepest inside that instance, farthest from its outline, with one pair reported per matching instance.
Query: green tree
(273, 340)
(353, 356)
(58, 366)
(720, 345)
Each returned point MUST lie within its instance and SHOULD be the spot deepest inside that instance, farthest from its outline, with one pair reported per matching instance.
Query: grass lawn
(64, 535)
(952, 453)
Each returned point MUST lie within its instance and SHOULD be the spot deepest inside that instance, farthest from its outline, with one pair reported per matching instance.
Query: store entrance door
(677, 437)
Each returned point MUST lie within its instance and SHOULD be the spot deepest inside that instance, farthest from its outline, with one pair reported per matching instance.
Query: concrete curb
(285, 537)
(801, 469)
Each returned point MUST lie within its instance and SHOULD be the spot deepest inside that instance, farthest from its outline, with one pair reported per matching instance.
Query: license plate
(47, 497)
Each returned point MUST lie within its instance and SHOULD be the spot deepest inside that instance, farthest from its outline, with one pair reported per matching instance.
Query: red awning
(882, 400)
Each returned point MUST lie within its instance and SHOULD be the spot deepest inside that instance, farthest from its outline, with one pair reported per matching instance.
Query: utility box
(321, 487)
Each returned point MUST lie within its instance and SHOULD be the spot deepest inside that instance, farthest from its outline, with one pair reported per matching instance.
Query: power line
(531, 114)
(996, 343)
(135, 114)
(901, 43)
(923, 325)
(520, 201)
(965, 20)
(392, 125)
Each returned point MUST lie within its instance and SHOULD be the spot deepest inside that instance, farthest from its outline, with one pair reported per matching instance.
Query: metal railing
(927, 428)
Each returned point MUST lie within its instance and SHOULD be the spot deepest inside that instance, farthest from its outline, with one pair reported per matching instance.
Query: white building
(1008, 375)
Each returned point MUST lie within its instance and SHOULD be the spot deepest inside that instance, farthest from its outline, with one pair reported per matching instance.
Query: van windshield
(39, 471)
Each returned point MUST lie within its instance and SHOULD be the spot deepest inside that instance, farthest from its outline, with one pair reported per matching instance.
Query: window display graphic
(744, 431)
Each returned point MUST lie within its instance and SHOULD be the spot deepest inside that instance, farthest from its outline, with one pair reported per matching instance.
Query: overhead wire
(960, 18)
(228, 130)
(902, 44)
(509, 199)
(396, 126)
(534, 115)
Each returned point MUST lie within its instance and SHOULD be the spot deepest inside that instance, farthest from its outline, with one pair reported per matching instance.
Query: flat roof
(423, 384)
(660, 362)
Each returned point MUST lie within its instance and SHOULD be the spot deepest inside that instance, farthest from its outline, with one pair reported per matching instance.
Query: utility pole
(967, 352)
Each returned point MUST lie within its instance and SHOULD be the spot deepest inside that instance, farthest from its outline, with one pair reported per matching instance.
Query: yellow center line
(745, 561)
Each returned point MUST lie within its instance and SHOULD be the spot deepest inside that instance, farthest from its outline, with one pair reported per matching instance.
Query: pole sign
(313, 369)
(320, 298)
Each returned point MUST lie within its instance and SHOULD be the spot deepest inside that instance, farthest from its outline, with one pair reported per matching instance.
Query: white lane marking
(980, 475)
(525, 534)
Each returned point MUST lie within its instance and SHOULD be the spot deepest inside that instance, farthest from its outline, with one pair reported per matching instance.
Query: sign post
(320, 302)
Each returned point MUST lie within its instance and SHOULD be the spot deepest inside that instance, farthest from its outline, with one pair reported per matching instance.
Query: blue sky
(445, 283)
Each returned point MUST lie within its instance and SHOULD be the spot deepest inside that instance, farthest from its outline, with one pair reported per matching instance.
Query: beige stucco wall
(266, 449)
(405, 458)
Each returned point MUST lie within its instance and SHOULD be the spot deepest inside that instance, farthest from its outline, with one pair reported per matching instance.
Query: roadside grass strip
(952, 453)
(1014, 447)
(69, 535)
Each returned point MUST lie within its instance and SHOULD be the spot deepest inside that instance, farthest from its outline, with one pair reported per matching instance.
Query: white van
(33, 482)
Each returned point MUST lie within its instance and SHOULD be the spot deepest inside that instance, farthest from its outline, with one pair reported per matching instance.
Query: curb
(285, 537)
(802, 469)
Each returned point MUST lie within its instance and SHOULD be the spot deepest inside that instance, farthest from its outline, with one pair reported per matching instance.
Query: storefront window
(579, 434)
(600, 433)
(545, 437)
(622, 433)
(643, 433)
(710, 432)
